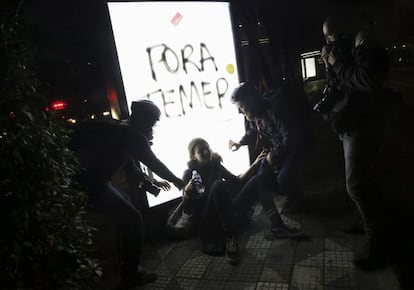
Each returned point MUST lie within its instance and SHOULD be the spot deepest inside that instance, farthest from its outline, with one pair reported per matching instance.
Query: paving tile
(307, 258)
(287, 244)
(218, 269)
(239, 285)
(166, 270)
(339, 259)
(211, 285)
(276, 273)
(307, 276)
(340, 277)
(257, 241)
(253, 255)
(282, 255)
(305, 287)
(188, 283)
(177, 257)
(338, 244)
(246, 272)
(272, 286)
(341, 288)
(194, 267)
(310, 252)
(151, 259)
(164, 250)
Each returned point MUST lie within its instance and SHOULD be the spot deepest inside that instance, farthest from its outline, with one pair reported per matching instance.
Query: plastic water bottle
(200, 188)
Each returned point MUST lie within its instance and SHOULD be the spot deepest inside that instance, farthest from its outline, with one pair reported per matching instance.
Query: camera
(330, 97)
(148, 185)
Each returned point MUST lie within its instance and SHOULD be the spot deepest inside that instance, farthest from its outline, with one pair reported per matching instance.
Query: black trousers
(266, 182)
(109, 201)
(220, 210)
(360, 149)
(218, 218)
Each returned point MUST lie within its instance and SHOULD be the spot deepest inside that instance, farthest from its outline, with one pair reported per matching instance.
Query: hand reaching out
(234, 146)
(164, 185)
(259, 157)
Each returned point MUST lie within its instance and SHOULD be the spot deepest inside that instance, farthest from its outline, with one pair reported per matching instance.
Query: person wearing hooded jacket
(105, 146)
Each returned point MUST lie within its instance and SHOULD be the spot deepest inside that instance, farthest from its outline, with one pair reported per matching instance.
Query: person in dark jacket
(103, 148)
(282, 130)
(358, 117)
(208, 165)
(210, 211)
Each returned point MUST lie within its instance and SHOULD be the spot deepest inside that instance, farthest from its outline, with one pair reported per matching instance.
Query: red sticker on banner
(176, 19)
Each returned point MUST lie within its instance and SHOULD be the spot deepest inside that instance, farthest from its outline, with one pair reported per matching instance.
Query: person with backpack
(103, 147)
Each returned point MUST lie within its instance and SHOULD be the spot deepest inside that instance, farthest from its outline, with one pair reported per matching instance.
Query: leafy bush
(45, 241)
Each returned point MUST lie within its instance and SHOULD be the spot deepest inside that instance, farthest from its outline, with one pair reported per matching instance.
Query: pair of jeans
(266, 181)
(360, 148)
(110, 202)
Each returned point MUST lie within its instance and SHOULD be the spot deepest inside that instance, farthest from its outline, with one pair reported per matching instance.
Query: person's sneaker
(141, 277)
(184, 222)
(283, 231)
(232, 251)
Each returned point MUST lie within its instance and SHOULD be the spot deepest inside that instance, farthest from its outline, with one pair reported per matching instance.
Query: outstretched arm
(142, 152)
(253, 167)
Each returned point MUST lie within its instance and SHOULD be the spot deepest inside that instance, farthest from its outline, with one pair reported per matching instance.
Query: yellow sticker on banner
(230, 68)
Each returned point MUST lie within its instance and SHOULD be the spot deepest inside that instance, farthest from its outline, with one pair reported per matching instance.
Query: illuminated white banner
(181, 56)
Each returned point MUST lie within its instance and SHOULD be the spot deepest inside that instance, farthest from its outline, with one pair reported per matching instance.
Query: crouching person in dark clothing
(285, 135)
(103, 148)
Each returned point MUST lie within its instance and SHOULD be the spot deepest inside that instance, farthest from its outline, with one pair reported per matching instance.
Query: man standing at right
(355, 102)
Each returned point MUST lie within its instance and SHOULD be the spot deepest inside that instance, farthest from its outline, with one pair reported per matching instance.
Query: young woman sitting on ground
(211, 212)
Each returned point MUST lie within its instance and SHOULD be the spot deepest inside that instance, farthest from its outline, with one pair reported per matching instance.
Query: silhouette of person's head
(334, 28)
(344, 24)
(248, 100)
(144, 115)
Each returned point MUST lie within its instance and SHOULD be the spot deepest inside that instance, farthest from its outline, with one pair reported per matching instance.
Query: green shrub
(45, 241)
